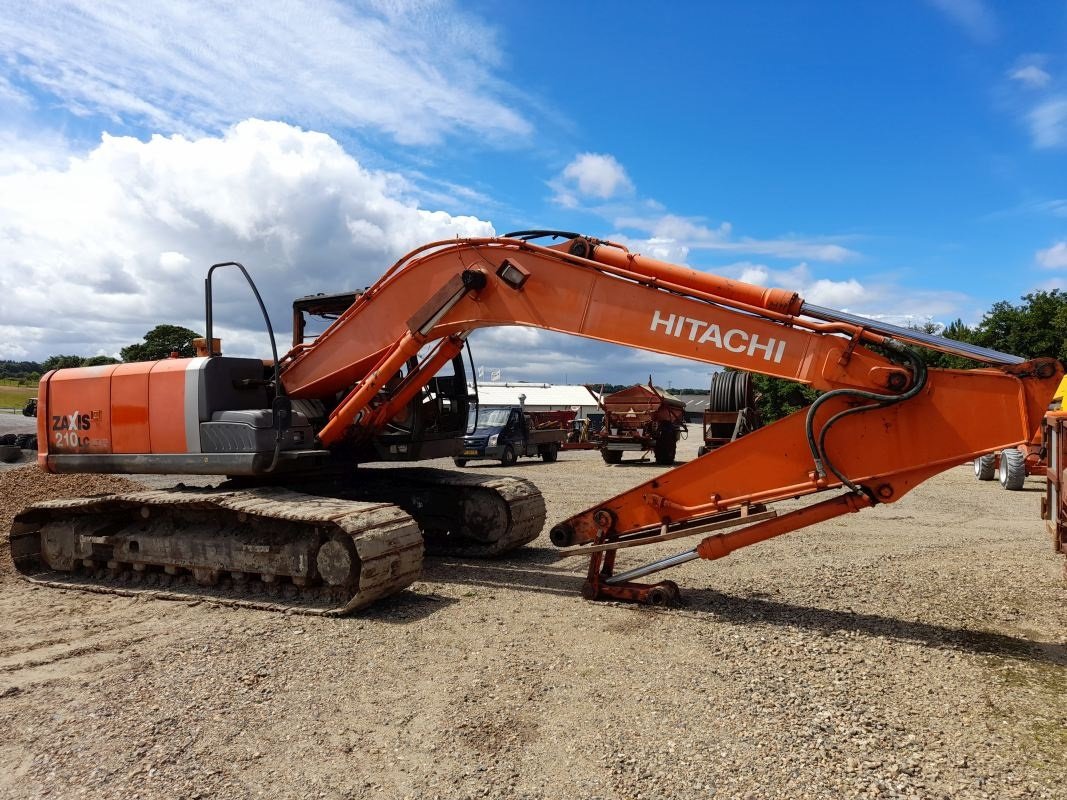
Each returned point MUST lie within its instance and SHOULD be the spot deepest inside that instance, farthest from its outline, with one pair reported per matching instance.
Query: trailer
(641, 419)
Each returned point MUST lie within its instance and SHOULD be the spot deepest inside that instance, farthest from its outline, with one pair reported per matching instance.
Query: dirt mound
(21, 487)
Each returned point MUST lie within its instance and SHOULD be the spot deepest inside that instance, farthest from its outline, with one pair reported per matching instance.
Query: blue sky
(904, 160)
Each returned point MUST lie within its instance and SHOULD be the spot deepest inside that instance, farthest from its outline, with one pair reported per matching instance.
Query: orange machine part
(129, 409)
(166, 405)
(113, 409)
(77, 410)
(574, 296)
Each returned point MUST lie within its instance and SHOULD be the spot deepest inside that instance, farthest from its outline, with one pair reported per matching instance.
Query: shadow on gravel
(533, 569)
(540, 570)
(828, 621)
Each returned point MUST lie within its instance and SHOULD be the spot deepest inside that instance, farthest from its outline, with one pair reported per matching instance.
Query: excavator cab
(430, 426)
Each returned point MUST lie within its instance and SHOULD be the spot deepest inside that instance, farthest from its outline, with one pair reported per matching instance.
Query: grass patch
(16, 396)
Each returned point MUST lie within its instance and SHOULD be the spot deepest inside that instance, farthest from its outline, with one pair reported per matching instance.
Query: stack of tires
(12, 445)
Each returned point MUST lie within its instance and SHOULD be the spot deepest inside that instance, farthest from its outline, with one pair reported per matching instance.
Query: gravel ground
(914, 650)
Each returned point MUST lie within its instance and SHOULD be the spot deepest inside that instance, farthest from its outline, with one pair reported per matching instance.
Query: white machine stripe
(192, 404)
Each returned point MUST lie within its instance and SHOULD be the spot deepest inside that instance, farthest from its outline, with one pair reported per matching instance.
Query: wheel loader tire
(31, 442)
(985, 467)
(508, 457)
(548, 455)
(611, 456)
(7, 439)
(23, 440)
(459, 462)
(1012, 469)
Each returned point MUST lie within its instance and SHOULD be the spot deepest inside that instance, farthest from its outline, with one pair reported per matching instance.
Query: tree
(778, 397)
(61, 362)
(160, 342)
(1037, 327)
(98, 361)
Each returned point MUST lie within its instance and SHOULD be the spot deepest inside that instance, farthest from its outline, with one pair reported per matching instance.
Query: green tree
(99, 361)
(1037, 327)
(778, 397)
(957, 331)
(160, 342)
(61, 362)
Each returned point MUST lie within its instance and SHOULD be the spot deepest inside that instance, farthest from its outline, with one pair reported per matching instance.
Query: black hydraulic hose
(477, 399)
(818, 451)
(282, 411)
(527, 236)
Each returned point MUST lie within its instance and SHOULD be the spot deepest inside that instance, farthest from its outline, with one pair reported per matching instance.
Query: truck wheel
(985, 467)
(548, 455)
(1012, 469)
(459, 462)
(666, 447)
(507, 458)
(611, 456)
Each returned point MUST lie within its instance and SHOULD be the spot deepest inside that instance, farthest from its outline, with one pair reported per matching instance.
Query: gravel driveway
(914, 650)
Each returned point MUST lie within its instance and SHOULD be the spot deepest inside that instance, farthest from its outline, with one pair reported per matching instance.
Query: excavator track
(326, 550)
(268, 547)
(460, 514)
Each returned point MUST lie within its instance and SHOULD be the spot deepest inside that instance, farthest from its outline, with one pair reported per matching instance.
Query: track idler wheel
(338, 563)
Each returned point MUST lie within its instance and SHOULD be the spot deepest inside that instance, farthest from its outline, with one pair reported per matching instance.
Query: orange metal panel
(129, 409)
(166, 405)
(42, 420)
(79, 410)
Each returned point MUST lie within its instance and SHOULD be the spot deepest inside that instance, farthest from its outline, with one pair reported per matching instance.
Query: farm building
(539, 396)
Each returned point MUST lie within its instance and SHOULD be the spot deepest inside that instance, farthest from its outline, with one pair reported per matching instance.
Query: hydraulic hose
(818, 447)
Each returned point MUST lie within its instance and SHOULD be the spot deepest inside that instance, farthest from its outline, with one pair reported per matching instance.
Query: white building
(539, 397)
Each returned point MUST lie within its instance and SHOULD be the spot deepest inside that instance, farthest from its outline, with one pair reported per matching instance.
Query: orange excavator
(385, 380)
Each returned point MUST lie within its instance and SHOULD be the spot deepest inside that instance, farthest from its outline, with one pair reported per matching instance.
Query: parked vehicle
(30, 409)
(505, 433)
(640, 419)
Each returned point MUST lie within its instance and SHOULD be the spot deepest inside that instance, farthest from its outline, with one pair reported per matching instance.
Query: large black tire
(508, 458)
(611, 456)
(9, 454)
(459, 462)
(985, 467)
(666, 446)
(549, 453)
(8, 440)
(1012, 469)
(23, 440)
(31, 442)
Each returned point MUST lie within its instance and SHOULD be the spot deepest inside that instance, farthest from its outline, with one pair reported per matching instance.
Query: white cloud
(1048, 123)
(1054, 257)
(98, 250)
(597, 176)
(971, 15)
(1031, 76)
(680, 235)
(413, 70)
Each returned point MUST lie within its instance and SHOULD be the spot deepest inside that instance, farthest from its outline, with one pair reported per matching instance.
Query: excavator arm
(883, 425)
